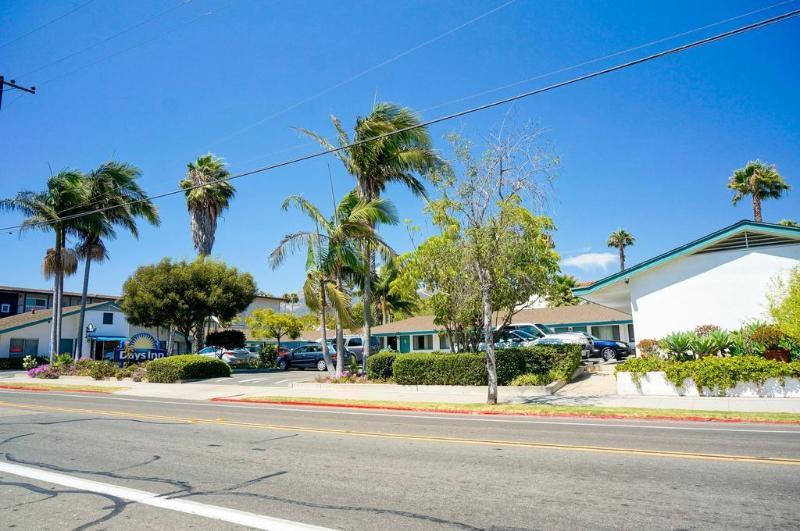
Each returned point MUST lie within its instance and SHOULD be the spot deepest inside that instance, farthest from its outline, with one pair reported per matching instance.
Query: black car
(310, 356)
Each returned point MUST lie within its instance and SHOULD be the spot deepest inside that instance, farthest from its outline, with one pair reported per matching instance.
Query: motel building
(105, 326)
(722, 279)
(420, 334)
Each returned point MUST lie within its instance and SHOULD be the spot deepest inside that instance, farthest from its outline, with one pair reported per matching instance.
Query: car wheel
(321, 366)
(282, 365)
(609, 354)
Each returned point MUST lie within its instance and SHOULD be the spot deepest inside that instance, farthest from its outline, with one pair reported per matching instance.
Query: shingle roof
(28, 318)
(582, 313)
(50, 291)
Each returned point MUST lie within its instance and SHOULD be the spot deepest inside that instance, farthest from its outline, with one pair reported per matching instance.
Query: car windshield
(546, 329)
(527, 336)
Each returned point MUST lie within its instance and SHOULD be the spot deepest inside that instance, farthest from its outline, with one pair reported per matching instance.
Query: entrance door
(405, 344)
(66, 346)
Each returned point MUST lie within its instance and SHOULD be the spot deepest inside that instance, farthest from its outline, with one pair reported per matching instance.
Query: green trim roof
(683, 250)
(24, 320)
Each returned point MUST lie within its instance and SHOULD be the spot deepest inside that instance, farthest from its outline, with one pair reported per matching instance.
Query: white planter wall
(656, 384)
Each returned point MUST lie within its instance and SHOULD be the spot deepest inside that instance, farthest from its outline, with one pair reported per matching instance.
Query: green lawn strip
(59, 387)
(544, 410)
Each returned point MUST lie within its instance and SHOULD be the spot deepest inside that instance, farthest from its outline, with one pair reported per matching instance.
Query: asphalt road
(92, 462)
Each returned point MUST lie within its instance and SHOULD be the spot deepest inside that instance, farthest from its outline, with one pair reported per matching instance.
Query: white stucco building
(722, 279)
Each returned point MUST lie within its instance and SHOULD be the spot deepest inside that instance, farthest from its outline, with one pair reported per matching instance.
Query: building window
(34, 302)
(423, 342)
(631, 337)
(444, 342)
(5, 308)
(23, 347)
(108, 318)
(608, 332)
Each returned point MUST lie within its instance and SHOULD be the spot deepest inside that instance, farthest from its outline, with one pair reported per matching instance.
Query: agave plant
(723, 341)
(702, 346)
(678, 344)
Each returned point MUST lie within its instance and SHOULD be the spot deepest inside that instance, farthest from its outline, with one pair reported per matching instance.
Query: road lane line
(249, 380)
(423, 438)
(214, 512)
(310, 410)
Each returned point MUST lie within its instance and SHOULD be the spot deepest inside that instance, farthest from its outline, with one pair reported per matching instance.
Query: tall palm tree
(621, 239)
(113, 189)
(53, 210)
(760, 181)
(207, 196)
(401, 157)
(337, 241)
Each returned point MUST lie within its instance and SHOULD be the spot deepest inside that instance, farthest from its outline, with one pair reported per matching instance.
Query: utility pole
(13, 85)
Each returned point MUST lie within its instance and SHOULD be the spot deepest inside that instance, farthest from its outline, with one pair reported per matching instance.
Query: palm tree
(338, 260)
(53, 210)
(621, 239)
(112, 188)
(789, 223)
(292, 299)
(207, 196)
(758, 180)
(389, 302)
(561, 291)
(401, 157)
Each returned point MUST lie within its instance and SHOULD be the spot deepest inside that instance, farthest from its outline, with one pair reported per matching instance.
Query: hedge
(185, 367)
(557, 361)
(715, 373)
(15, 363)
(379, 366)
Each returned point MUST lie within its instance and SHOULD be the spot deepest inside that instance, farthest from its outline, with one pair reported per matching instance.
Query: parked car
(355, 344)
(510, 339)
(539, 331)
(610, 349)
(237, 356)
(309, 356)
(586, 348)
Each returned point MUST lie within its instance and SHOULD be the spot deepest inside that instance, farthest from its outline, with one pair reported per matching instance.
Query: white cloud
(590, 261)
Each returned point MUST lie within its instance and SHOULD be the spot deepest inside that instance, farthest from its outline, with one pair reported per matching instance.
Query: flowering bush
(346, 377)
(29, 362)
(45, 372)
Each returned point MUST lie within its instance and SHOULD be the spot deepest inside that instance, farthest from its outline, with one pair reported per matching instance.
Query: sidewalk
(208, 391)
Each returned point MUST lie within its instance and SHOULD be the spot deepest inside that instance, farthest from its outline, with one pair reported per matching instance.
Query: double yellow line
(421, 438)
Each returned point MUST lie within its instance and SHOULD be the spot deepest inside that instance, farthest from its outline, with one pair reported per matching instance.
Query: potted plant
(770, 337)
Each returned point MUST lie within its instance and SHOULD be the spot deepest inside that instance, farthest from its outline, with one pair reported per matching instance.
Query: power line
(34, 30)
(365, 72)
(451, 116)
(110, 37)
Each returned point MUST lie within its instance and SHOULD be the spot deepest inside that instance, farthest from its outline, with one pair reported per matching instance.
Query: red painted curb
(605, 416)
(41, 390)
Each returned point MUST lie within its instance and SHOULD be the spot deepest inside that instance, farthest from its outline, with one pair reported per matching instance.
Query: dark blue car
(609, 349)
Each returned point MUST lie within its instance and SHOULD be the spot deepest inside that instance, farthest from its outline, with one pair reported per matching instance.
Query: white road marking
(400, 414)
(249, 380)
(214, 512)
(221, 380)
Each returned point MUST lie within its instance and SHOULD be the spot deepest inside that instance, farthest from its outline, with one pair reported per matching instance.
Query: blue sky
(648, 149)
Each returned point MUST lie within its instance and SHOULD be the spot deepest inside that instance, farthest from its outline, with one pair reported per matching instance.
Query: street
(273, 378)
(91, 462)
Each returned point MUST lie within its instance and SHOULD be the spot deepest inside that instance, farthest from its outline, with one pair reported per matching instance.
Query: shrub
(100, 370)
(47, 372)
(226, 339)
(678, 344)
(379, 366)
(185, 367)
(767, 336)
(531, 379)
(83, 367)
(554, 362)
(29, 362)
(125, 372)
(638, 367)
(267, 357)
(63, 360)
(440, 369)
(648, 347)
(139, 373)
(16, 364)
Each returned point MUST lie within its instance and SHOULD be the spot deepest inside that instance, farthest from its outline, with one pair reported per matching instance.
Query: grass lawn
(37, 386)
(543, 410)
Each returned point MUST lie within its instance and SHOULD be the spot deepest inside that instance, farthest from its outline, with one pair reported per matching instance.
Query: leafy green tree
(560, 293)
(401, 158)
(207, 196)
(183, 294)
(267, 323)
(53, 210)
(784, 304)
(620, 239)
(309, 321)
(115, 200)
(487, 211)
(337, 242)
(760, 181)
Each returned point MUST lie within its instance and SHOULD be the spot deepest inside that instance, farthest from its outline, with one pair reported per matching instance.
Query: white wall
(726, 288)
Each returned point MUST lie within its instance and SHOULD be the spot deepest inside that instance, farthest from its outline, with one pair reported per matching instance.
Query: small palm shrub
(678, 344)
